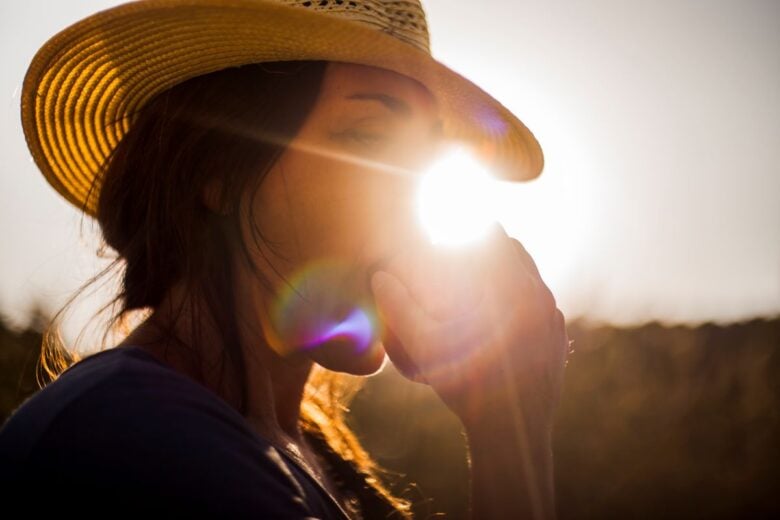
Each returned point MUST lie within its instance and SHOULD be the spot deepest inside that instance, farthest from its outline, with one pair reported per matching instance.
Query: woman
(253, 165)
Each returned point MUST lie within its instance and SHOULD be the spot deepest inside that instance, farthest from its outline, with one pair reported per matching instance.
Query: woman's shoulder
(123, 383)
(121, 420)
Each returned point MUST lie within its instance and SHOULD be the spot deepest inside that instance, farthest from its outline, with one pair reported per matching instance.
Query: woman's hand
(480, 326)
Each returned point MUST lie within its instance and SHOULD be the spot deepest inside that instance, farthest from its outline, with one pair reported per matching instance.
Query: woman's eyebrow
(398, 106)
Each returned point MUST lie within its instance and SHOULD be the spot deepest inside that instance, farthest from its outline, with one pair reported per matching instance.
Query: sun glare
(456, 202)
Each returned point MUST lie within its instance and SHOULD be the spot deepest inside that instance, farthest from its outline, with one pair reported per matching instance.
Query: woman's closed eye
(360, 136)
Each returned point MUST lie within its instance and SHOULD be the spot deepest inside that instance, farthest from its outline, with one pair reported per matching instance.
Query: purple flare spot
(356, 327)
(492, 120)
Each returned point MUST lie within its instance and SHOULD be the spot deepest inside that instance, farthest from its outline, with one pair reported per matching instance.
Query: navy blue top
(121, 433)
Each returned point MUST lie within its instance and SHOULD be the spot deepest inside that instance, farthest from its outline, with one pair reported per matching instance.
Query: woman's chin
(344, 356)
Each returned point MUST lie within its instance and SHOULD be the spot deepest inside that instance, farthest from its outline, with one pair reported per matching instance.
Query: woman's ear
(212, 196)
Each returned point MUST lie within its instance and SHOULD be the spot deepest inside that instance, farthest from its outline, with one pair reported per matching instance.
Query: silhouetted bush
(655, 421)
(19, 352)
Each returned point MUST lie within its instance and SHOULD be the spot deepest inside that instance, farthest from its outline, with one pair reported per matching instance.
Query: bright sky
(660, 123)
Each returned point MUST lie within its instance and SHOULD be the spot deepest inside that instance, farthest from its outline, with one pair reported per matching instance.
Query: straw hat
(85, 83)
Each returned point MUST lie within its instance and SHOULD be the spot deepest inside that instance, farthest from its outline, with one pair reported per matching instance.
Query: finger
(505, 271)
(497, 230)
(527, 259)
(511, 247)
(400, 358)
(503, 253)
(442, 282)
(400, 312)
(458, 335)
(417, 339)
(559, 326)
(530, 264)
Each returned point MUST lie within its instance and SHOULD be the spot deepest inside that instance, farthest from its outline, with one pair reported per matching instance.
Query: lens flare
(322, 303)
(456, 198)
(356, 328)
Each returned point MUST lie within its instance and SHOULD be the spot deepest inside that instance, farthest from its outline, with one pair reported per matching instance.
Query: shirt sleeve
(142, 444)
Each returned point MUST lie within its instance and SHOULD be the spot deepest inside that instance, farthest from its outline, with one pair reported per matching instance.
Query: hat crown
(402, 19)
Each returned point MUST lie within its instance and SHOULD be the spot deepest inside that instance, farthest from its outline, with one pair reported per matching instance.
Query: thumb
(401, 360)
(399, 311)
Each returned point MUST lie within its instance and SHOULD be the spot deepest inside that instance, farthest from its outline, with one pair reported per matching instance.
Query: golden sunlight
(456, 199)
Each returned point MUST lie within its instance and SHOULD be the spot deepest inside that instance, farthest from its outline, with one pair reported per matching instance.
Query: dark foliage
(655, 421)
(19, 352)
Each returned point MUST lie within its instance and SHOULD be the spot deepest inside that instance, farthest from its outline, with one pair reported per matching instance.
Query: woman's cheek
(340, 356)
(324, 311)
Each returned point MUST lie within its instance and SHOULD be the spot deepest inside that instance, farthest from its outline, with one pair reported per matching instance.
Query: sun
(456, 199)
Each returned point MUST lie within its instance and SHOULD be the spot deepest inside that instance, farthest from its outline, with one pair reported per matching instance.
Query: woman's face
(337, 204)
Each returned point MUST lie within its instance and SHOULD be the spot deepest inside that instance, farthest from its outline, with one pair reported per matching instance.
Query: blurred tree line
(655, 421)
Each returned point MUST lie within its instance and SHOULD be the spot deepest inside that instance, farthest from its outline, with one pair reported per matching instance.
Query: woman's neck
(274, 384)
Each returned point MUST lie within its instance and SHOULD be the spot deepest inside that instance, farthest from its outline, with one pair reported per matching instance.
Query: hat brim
(85, 84)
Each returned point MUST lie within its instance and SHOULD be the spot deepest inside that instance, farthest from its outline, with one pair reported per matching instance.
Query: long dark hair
(233, 125)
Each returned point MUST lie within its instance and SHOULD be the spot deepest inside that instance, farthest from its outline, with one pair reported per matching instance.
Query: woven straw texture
(84, 85)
